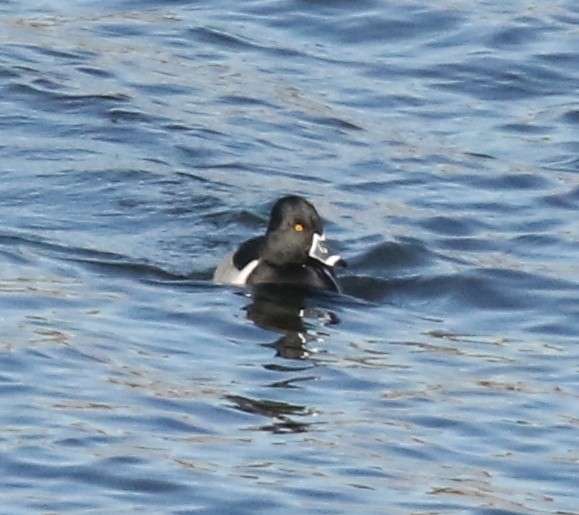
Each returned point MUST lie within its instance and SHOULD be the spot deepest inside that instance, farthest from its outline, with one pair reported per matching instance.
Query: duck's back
(236, 267)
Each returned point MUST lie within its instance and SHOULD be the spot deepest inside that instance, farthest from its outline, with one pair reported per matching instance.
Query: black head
(295, 234)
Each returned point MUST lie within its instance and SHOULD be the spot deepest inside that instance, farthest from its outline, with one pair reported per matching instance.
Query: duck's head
(295, 235)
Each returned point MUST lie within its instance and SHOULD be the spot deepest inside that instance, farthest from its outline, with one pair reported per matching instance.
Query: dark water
(143, 140)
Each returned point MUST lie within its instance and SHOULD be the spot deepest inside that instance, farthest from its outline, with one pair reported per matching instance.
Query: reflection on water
(283, 415)
(286, 310)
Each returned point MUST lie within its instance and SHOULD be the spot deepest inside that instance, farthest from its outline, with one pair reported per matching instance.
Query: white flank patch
(245, 273)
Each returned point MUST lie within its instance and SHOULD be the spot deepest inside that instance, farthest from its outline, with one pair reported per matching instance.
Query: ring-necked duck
(293, 251)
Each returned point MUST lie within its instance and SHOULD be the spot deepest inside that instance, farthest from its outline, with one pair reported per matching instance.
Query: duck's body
(293, 251)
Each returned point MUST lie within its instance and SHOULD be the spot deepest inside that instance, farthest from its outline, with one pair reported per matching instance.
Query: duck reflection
(289, 312)
(283, 310)
(280, 412)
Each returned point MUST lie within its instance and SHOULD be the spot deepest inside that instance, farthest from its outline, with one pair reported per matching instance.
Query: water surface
(143, 140)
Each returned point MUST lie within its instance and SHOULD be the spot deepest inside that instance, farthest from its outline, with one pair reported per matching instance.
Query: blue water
(143, 140)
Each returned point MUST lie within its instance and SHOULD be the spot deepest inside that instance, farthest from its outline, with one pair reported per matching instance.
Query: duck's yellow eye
(299, 227)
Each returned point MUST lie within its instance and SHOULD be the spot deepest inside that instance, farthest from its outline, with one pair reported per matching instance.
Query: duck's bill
(320, 252)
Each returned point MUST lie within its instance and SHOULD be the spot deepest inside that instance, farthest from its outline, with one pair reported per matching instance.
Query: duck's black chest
(311, 276)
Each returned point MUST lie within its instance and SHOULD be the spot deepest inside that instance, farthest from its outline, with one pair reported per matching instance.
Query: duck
(293, 251)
